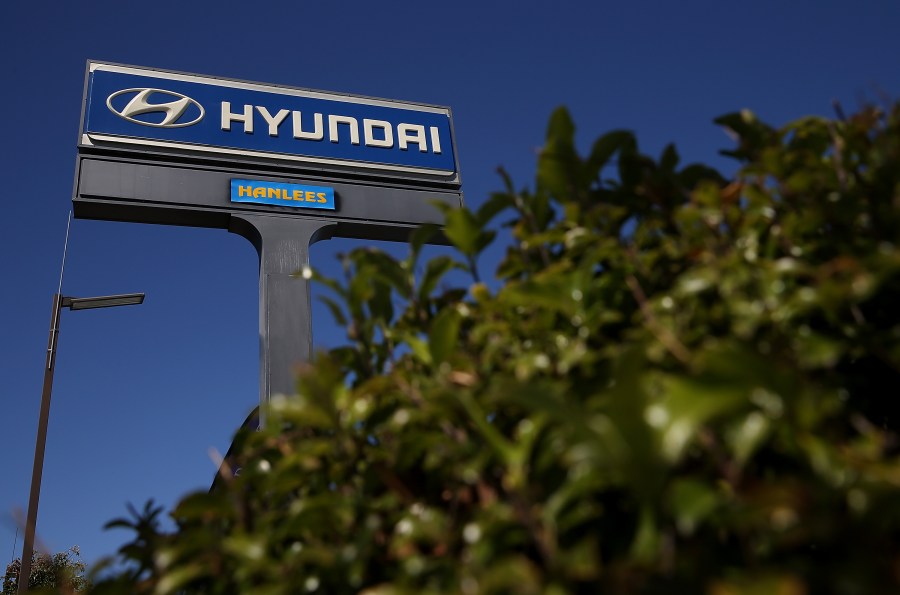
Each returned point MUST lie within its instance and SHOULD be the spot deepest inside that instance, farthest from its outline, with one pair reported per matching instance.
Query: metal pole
(285, 321)
(38, 469)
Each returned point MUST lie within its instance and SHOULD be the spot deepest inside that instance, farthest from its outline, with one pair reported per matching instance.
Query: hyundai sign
(169, 111)
(282, 167)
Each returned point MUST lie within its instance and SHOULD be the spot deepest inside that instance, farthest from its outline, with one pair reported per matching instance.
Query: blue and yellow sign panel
(282, 194)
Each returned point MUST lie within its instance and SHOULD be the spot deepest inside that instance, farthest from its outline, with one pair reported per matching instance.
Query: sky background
(141, 394)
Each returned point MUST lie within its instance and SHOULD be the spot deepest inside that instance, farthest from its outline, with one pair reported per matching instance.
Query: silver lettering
(246, 118)
(435, 140)
(333, 122)
(317, 134)
(273, 121)
(411, 133)
(368, 132)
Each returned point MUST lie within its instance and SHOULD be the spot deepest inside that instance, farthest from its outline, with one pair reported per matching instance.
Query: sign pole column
(285, 322)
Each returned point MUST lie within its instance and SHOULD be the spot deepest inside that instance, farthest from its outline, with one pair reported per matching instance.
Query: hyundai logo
(174, 112)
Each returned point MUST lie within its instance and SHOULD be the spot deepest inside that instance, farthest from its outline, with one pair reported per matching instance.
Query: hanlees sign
(280, 194)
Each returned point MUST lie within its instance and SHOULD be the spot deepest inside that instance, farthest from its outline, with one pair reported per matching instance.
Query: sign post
(285, 327)
(281, 166)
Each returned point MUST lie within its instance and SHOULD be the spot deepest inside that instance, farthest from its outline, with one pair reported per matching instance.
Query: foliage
(62, 572)
(682, 383)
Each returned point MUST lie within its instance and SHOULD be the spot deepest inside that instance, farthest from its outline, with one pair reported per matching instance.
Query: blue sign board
(163, 110)
(282, 194)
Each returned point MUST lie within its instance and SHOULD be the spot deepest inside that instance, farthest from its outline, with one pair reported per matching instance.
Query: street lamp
(59, 302)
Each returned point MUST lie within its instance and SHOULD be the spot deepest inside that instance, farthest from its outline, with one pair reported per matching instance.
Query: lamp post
(59, 302)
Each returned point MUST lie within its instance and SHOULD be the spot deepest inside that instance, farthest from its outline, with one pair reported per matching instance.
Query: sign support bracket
(285, 321)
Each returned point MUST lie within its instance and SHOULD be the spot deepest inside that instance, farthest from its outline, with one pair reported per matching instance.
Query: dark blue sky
(142, 394)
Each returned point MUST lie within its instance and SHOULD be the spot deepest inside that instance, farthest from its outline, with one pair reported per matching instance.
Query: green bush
(681, 384)
(62, 572)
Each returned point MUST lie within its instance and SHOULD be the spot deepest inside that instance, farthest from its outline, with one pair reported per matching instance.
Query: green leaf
(604, 148)
(419, 348)
(434, 272)
(552, 289)
(688, 404)
(740, 122)
(631, 164)
(463, 230)
(645, 546)
(628, 398)
(328, 282)
(691, 502)
(561, 128)
(746, 436)
(512, 454)
(695, 173)
(380, 305)
(418, 238)
(178, 578)
(815, 350)
(444, 334)
(559, 164)
(669, 159)
(385, 267)
(498, 201)
(335, 309)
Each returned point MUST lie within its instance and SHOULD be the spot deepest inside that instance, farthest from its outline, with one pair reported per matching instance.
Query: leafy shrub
(62, 572)
(682, 383)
